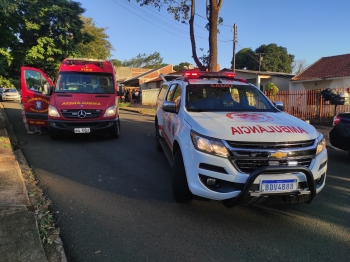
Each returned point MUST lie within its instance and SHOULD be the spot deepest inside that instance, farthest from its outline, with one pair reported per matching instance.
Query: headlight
(321, 144)
(111, 111)
(53, 111)
(209, 145)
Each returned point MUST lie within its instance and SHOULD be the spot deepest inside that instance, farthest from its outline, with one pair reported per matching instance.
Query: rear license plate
(285, 185)
(82, 130)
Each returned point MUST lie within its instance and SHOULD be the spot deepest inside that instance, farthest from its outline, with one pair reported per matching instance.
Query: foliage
(5, 82)
(96, 45)
(245, 59)
(274, 59)
(298, 66)
(271, 88)
(116, 62)
(145, 61)
(181, 66)
(184, 11)
(123, 104)
(39, 33)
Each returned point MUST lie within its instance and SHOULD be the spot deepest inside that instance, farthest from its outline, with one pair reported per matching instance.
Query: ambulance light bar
(202, 74)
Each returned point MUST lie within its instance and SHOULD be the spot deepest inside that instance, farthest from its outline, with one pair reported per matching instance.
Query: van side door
(36, 88)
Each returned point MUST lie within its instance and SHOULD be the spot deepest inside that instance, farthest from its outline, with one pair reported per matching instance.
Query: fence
(309, 105)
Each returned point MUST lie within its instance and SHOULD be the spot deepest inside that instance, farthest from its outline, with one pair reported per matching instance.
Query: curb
(21, 166)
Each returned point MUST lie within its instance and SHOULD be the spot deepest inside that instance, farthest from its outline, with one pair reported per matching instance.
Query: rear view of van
(83, 98)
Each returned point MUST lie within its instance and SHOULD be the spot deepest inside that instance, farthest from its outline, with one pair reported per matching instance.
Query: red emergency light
(202, 74)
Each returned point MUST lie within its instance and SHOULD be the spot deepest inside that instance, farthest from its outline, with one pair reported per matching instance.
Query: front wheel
(116, 132)
(181, 192)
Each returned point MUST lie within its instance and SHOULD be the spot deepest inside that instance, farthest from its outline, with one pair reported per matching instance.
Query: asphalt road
(113, 200)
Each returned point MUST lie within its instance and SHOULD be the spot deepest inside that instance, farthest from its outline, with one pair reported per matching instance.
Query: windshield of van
(90, 83)
(226, 97)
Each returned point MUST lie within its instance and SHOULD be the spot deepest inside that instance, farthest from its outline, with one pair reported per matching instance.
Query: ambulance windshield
(222, 97)
(89, 83)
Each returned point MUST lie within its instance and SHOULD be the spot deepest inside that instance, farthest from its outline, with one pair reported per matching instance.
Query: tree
(245, 59)
(145, 61)
(39, 33)
(181, 66)
(184, 10)
(96, 46)
(273, 58)
(116, 62)
(298, 66)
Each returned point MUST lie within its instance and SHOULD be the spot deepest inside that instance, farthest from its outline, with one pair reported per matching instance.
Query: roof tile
(326, 67)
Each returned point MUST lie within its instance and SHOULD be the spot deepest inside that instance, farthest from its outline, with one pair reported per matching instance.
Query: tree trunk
(214, 8)
(193, 40)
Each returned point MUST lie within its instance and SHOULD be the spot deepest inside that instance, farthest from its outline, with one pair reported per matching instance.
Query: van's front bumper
(72, 127)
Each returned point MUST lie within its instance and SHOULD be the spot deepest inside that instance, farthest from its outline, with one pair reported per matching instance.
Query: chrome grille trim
(246, 158)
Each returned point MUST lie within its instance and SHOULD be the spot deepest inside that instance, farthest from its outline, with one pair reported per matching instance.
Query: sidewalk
(19, 231)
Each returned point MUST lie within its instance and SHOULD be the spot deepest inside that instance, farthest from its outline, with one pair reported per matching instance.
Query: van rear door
(36, 90)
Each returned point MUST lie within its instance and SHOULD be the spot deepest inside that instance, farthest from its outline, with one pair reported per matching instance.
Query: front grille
(74, 113)
(249, 165)
(248, 156)
(271, 145)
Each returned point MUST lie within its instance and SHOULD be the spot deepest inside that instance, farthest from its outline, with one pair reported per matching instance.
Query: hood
(255, 127)
(88, 101)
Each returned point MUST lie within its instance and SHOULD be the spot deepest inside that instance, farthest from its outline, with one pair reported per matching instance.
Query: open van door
(36, 89)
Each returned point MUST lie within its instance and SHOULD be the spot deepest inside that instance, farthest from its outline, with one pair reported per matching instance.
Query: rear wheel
(158, 145)
(181, 192)
(116, 132)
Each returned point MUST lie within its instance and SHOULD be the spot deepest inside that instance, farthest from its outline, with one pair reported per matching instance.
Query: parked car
(226, 141)
(339, 136)
(10, 94)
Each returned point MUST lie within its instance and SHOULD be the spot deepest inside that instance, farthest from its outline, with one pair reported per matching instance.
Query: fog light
(211, 181)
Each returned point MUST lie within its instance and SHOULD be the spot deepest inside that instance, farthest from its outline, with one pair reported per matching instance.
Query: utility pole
(260, 58)
(234, 47)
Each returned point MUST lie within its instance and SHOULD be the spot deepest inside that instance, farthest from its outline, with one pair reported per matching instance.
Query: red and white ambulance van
(83, 98)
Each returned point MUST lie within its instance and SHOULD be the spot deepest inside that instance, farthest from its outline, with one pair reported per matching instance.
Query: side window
(171, 91)
(177, 97)
(35, 81)
(162, 91)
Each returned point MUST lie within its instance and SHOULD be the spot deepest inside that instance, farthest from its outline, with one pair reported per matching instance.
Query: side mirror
(279, 106)
(169, 106)
(47, 90)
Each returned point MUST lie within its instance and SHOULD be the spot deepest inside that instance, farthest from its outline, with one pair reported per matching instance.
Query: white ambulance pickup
(225, 140)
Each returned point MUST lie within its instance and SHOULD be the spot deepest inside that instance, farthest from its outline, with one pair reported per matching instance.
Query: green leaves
(270, 57)
(145, 61)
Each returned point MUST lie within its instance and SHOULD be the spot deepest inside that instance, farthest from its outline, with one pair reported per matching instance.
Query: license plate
(285, 185)
(82, 130)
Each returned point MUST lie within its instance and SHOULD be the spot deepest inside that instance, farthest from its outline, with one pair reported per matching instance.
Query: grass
(40, 206)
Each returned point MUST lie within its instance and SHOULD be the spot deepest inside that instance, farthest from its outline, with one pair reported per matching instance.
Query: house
(327, 72)
(141, 80)
(261, 78)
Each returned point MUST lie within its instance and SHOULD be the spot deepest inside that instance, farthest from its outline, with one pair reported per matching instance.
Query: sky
(309, 29)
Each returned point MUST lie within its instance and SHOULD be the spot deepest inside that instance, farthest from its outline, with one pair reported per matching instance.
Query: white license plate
(82, 130)
(285, 185)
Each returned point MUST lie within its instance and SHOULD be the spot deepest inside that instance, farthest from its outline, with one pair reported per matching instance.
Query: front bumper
(68, 127)
(11, 98)
(234, 187)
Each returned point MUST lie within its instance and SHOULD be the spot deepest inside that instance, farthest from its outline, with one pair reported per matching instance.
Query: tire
(116, 133)
(158, 145)
(181, 192)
